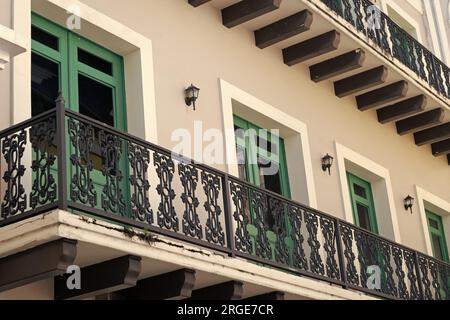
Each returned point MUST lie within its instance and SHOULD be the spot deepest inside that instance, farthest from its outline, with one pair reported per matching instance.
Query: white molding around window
(135, 48)
(379, 177)
(293, 131)
(429, 201)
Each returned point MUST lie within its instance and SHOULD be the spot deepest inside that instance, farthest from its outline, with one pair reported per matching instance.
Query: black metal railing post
(228, 215)
(419, 278)
(61, 146)
(340, 252)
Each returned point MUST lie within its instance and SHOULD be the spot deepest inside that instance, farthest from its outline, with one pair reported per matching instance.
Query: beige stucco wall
(191, 45)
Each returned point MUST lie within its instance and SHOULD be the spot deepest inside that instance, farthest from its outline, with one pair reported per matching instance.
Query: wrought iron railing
(61, 159)
(394, 41)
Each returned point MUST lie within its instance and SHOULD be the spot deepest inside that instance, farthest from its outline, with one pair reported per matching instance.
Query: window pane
(437, 248)
(44, 84)
(363, 217)
(95, 62)
(96, 100)
(269, 175)
(45, 38)
(266, 145)
(360, 191)
(433, 223)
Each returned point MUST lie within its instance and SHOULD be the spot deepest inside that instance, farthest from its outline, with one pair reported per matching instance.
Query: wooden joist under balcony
(448, 159)
(232, 290)
(384, 95)
(361, 81)
(432, 135)
(247, 10)
(341, 64)
(39, 263)
(420, 122)
(283, 29)
(311, 48)
(402, 109)
(174, 285)
(271, 296)
(441, 148)
(101, 278)
(196, 3)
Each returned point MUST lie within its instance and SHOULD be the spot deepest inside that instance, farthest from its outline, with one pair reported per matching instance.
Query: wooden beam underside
(283, 29)
(247, 10)
(39, 263)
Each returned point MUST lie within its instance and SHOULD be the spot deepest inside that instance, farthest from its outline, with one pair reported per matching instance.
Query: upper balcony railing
(61, 159)
(394, 41)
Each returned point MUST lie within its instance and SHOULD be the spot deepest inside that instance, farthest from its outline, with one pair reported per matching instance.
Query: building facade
(320, 147)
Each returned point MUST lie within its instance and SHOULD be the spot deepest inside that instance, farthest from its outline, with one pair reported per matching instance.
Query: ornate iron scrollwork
(397, 253)
(389, 283)
(426, 283)
(139, 158)
(350, 269)
(242, 241)
(213, 230)
(112, 193)
(191, 222)
(82, 140)
(298, 256)
(15, 200)
(414, 293)
(312, 225)
(44, 184)
(435, 279)
(277, 209)
(167, 217)
(259, 207)
(329, 235)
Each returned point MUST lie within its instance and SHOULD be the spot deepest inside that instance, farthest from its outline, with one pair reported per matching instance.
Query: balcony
(362, 53)
(64, 160)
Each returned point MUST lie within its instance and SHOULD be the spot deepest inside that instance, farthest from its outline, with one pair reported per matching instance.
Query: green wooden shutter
(250, 145)
(437, 236)
(362, 203)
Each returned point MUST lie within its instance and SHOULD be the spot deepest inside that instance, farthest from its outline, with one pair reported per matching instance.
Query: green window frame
(248, 146)
(437, 236)
(79, 58)
(70, 67)
(363, 207)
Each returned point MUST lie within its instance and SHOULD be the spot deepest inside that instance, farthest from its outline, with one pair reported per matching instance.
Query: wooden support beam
(420, 122)
(271, 296)
(361, 81)
(283, 29)
(247, 10)
(39, 263)
(174, 285)
(379, 97)
(311, 48)
(101, 278)
(232, 290)
(448, 159)
(338, 65)
(402, 109)
(441, 148)
(196, 3)
(433, 135)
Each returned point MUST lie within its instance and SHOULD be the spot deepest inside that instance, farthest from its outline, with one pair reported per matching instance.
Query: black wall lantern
(409, 202)
(327, 163)
(191, 95)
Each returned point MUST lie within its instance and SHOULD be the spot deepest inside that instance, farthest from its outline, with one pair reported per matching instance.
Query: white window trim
(299, 164)
(429, 201)
(135, 48)
(384, 200)
(404, 15)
